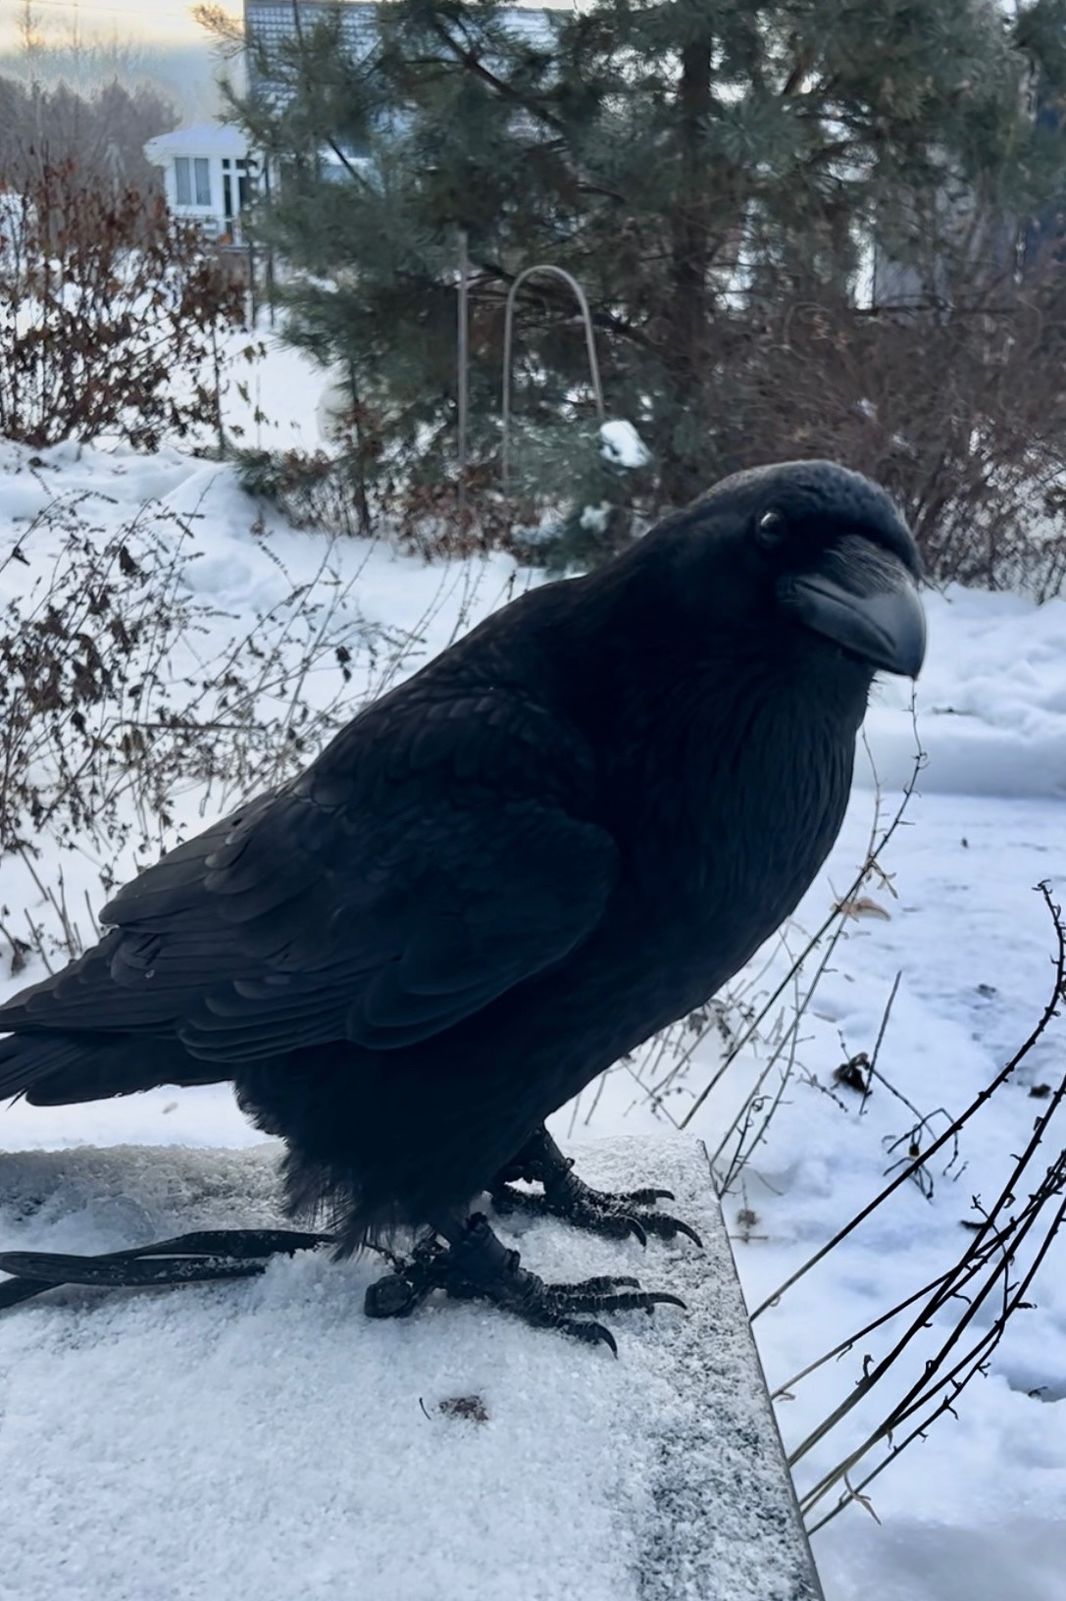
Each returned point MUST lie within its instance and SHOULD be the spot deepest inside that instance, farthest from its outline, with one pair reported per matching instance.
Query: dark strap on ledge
(186, 1259)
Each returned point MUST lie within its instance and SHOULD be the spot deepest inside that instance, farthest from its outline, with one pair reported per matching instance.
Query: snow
(334, 409)
(974, 1512)
(264, 1437)
(992, 699)
(197, 139)
(622, 445)
(595, 518)
(283, 393)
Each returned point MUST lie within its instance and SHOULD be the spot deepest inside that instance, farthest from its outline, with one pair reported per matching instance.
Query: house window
(192, 176)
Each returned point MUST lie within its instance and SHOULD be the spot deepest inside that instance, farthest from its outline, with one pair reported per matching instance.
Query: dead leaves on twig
(862, 906)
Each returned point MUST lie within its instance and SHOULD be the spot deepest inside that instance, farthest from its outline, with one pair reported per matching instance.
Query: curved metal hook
(508, 344)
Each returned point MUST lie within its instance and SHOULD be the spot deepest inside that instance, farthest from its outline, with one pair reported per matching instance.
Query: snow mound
(622, 445)
(991, 700)
(333, 413)
(264, 1438)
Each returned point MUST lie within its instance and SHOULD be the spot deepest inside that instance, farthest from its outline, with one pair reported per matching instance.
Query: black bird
(564, 833)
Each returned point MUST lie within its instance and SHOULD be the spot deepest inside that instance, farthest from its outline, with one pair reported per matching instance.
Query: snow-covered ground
(457, 1456)
(976, 1511)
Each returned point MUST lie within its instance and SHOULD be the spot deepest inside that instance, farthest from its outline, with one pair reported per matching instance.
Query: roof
(268, 23)
(197, 139)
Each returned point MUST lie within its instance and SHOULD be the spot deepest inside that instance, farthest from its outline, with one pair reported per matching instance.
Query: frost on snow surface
(264, 1438)
(975, 1513)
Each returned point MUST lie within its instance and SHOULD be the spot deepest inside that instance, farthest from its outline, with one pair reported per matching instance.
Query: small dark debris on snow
(851, 1073)
(470, 1407)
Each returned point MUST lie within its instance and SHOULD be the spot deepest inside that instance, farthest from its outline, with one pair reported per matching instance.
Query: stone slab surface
(263, 1439)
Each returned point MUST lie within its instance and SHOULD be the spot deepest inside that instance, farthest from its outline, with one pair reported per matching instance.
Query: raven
(564, 833)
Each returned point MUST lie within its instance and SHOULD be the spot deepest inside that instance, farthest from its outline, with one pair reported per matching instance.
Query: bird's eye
(771, 529)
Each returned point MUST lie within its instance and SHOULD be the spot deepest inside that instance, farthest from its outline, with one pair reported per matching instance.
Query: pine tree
(699, 165)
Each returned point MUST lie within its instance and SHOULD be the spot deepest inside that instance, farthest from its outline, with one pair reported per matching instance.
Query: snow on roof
(264, 1438)
(197, 139)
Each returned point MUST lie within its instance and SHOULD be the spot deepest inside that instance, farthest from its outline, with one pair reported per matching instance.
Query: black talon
(636, 1230)
(601, 1285)
(582, 1212)
(477, 1265)
(621, 1301)
(645, 1197)
(590, 1333)
(594, 1334)
(565, 1195)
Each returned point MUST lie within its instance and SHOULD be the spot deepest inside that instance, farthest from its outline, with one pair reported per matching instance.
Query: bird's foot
(475, 1265)
(618, 1215)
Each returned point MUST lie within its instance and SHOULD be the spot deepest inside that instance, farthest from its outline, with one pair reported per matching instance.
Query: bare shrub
(312, 489)
(435, 520)
(956, 405)
(443, 520)
(122, 692)
(109, 314)
(959, 1318)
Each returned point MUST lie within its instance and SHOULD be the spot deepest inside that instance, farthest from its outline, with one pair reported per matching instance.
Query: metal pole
(463, 391)
(508, 343)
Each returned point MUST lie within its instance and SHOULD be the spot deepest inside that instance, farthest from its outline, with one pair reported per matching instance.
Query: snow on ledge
(265, 1439)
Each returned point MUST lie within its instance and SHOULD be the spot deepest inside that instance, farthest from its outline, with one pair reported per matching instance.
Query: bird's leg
(630, 1212)
(475, 1265)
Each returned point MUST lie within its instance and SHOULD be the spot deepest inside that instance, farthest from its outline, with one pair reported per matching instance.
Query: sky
(148, 22)
(157, 40)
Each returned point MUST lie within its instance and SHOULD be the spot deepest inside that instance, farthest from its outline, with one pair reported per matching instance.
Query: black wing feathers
(436, 855)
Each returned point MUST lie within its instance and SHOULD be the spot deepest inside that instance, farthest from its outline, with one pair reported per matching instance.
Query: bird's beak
(863, 597)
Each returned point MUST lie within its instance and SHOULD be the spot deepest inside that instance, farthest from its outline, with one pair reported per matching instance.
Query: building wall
(208, 208)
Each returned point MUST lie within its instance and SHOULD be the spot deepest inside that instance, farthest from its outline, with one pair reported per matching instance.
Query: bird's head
(820, 548)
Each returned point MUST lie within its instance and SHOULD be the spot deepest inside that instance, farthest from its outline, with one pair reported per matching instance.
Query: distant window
(192, 176)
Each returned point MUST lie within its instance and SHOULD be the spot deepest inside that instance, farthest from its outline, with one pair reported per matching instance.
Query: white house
(207, 170)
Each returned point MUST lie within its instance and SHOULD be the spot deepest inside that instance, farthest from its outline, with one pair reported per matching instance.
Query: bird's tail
(57, 1069)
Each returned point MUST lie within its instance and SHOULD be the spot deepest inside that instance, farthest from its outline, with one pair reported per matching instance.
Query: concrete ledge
(263, 1441)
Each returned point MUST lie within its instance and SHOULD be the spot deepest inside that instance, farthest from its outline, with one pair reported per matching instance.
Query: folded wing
(405, 882)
